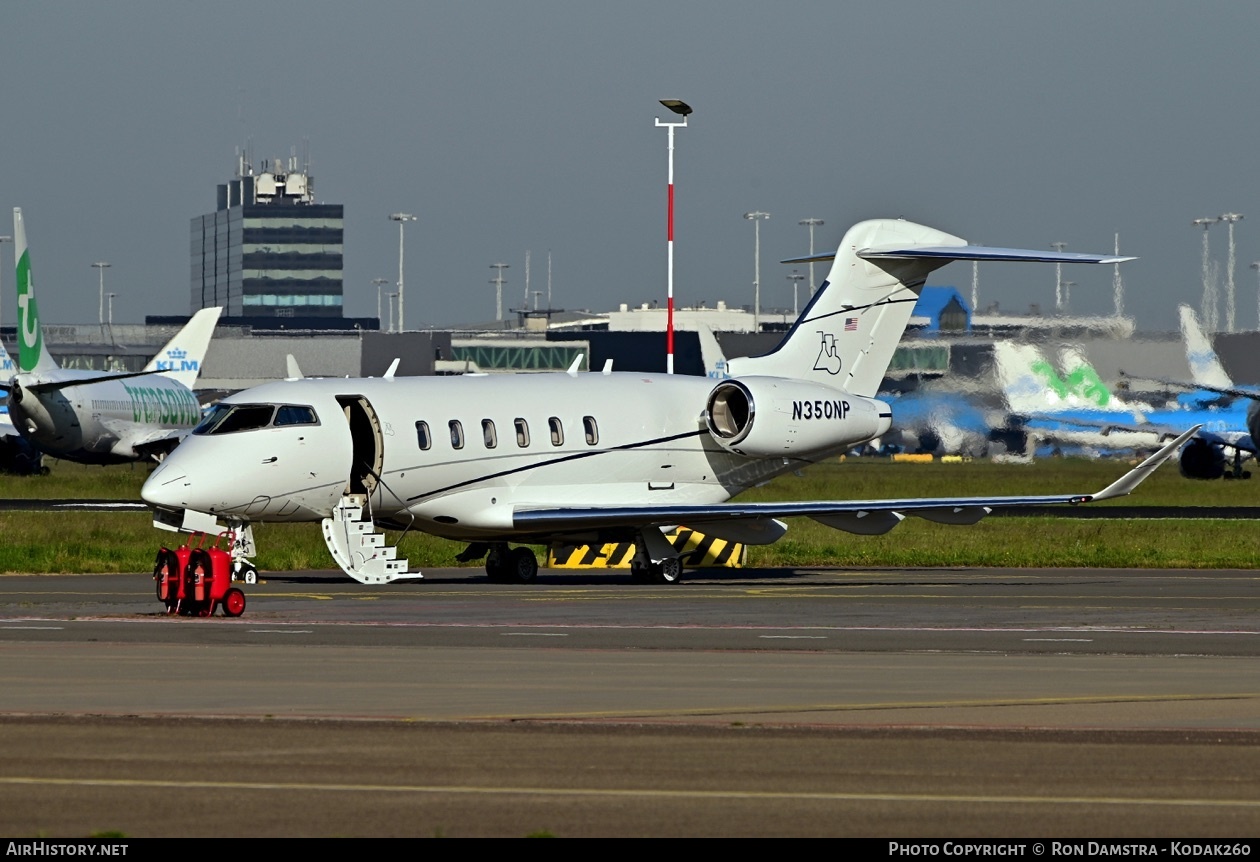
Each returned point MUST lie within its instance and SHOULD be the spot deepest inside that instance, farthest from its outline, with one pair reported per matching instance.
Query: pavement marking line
(768, 709)
(1060, 640)
(34, 628)
(533, 634)
(281, 632)
(793, 637)
(650, 793)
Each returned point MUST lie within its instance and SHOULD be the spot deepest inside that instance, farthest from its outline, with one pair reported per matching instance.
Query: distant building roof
(941, 308)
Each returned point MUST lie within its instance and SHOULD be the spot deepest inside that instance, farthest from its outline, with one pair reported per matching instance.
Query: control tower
(269, 253)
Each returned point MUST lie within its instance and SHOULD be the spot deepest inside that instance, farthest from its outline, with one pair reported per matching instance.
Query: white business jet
(101, 417)
(578, 458)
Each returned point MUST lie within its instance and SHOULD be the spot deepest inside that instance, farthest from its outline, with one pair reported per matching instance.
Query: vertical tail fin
(846, 336)
(182, 356)
(1028, 382)
(1205, 365)
(30, 335)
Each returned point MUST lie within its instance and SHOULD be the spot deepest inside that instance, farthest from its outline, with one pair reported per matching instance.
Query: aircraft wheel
(522, 566)
(243, 570)
(497, 564)
(640, 574)
(668, 570)
(233, 603)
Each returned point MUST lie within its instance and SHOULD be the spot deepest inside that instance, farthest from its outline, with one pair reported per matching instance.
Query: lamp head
(677, 106)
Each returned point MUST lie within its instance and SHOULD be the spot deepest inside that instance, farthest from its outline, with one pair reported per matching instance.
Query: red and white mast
(682, 109)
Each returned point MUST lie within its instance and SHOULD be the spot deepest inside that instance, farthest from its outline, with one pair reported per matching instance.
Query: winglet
(576, 364)
(1126, 483)
(608, 365)
(292, 371)
(393, 366)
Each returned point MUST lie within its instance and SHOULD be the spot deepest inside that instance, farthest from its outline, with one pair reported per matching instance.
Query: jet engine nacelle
(762, 417)
(29, 412)
(1200, 459)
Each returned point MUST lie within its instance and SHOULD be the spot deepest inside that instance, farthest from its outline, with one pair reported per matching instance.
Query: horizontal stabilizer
(970, 252)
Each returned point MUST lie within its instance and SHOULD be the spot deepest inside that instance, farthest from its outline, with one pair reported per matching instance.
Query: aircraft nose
(166, 488)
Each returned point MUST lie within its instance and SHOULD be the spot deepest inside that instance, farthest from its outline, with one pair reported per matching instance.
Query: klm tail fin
(711, 354)
(1205, 367)
(846, 336)
(7, 366)
(183, 355)
(30, 335)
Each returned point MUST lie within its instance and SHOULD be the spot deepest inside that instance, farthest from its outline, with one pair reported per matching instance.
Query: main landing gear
(504, 565)
(667, 571)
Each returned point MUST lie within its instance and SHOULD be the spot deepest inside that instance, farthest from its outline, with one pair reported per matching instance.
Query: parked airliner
(579, 458)
(101, 417)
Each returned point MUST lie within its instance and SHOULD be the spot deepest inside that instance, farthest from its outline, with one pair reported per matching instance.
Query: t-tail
(846, 336)
(32, 355)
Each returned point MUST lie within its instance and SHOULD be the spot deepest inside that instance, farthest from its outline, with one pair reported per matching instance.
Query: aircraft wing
(860, 516)
(1230, 439)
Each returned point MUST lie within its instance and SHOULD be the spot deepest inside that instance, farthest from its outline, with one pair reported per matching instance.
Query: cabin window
(457, 434)
(522, 433)
(230, 418)
(592, 430)
(557, 431)
(488, 433)
(295, 414)
(423, 438)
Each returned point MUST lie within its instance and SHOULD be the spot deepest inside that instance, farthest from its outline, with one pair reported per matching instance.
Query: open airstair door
(368, 446)
(350, 533)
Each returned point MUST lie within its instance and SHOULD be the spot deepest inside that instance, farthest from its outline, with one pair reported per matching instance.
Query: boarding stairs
(358, 547)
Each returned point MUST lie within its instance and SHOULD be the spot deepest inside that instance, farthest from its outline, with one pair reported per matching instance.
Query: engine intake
(762, 417)
(1200, 459)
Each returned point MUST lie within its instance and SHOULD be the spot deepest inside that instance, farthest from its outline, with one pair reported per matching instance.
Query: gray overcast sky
(514, 126)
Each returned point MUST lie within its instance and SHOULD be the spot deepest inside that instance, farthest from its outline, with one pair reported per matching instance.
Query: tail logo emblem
(828, 360)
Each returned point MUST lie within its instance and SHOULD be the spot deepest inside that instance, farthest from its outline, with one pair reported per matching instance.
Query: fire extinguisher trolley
(194, 581)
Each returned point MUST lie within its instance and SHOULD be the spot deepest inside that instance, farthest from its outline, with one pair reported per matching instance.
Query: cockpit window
(230, 418)
(296, 414)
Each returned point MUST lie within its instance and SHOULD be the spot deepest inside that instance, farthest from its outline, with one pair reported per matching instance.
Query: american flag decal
(850, 324)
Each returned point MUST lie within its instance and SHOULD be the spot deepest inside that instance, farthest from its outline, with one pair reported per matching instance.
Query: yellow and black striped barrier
(695, 549)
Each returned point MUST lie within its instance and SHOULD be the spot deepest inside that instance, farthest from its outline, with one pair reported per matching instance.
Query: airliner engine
(1200, 459)
(762, 417)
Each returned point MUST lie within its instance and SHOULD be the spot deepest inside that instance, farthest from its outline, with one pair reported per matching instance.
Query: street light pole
(3, 240)
(1229, 219)
(379, 282)
(811, 223)
(101, 265)
(1058, 277)
(1208, 310)
(795, 278)
(401, 218)
(682, 109)
(756, 217)
(1256, 266)
(498, 282)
